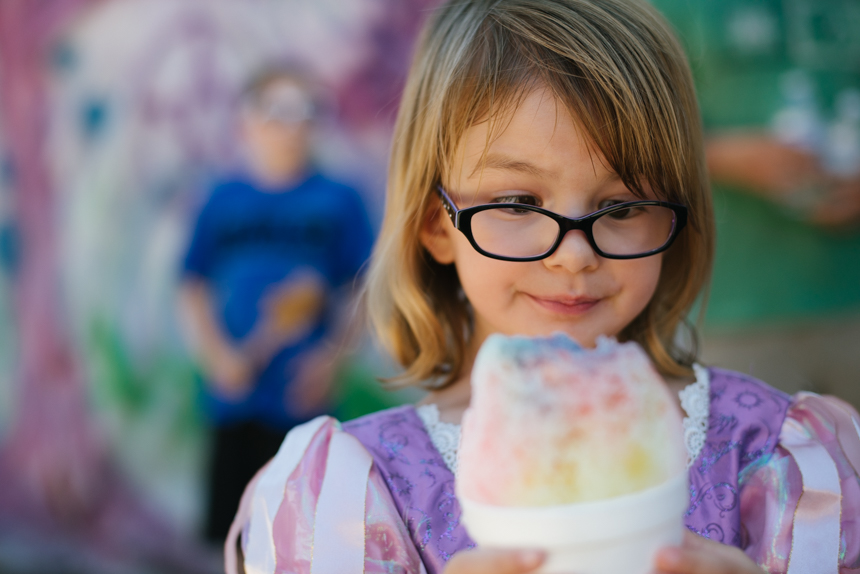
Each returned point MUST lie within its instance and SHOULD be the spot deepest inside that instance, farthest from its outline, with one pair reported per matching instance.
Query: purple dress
(761, 450)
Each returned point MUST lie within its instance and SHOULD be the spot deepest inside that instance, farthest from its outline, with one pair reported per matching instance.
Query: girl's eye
(621, 213)
(608, 203)
(522, 199)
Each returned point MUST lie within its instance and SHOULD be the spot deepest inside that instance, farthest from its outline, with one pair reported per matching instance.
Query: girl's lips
(566, 305)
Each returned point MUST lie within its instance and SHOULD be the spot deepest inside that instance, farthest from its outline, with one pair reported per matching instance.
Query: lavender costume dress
(777, 476)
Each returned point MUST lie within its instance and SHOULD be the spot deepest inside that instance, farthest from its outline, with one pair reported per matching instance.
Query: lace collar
(695, 400)
(444, 436)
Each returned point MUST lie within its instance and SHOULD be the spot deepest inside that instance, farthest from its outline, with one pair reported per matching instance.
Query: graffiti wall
(137, 101)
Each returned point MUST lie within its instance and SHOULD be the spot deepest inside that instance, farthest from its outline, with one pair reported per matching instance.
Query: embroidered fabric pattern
(695, 400)
(444, 436)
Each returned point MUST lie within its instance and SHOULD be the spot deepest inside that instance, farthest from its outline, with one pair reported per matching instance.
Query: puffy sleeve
(800, 507)
(320, 505)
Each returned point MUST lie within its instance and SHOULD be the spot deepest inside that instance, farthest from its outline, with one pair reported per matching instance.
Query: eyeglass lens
(512, 232)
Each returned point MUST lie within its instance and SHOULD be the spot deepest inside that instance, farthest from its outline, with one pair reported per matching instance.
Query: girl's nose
(574, 254)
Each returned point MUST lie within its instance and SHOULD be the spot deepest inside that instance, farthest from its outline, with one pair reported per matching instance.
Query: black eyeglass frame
(462, 220)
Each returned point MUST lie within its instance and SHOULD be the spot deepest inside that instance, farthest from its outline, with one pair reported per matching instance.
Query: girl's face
(541, 158)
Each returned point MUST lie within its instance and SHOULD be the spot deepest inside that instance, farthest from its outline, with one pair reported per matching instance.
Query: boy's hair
(620, 71)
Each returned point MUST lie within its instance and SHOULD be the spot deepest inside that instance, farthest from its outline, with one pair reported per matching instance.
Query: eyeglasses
(286, 104)
(520, 232)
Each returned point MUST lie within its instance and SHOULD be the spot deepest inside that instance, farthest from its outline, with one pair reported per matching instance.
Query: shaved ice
(551, 423)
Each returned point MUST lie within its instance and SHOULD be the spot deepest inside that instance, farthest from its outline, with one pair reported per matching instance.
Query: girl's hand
(494, 561)
(698, 555)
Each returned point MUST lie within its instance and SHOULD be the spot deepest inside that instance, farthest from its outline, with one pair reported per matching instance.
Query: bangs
(629, 113)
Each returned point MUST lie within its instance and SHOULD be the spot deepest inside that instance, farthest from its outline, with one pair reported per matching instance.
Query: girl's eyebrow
(505, 163)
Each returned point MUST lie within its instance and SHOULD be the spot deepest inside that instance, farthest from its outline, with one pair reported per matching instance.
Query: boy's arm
(227, 369)
(316, 373)
(759, 164)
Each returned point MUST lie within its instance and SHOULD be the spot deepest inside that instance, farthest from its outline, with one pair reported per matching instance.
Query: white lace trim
(444, 436)
(695, 400)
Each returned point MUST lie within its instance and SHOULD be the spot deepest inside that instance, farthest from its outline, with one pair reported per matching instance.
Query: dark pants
(239, 450)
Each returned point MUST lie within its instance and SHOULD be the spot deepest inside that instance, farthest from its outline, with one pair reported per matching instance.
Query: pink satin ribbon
(243, 517)
(817, 519)
(260, 553)
(845, 421)
(339, 526)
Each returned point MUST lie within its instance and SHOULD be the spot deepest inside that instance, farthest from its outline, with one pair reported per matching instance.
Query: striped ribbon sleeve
(816, 531)
(800, 507)
(320, 507)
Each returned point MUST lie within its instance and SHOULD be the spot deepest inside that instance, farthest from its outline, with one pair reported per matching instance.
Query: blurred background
(114, 116)
(779, 89)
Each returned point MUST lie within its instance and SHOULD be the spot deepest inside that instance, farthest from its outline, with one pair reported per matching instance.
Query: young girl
(547, 175)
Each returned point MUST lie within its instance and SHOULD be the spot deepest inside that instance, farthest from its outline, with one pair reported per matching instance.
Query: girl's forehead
(526, 134)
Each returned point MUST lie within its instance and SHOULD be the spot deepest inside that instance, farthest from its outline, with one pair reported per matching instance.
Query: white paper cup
(614, 536)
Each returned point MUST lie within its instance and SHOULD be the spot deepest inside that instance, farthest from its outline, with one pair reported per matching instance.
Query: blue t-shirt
(276, 256)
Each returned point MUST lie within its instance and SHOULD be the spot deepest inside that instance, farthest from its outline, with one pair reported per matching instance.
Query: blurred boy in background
(266, 290)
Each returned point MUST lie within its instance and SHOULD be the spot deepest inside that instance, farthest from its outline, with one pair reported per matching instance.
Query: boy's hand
(840, 208)
(313, 381)
(698, 555)
(289, 311)
(762, 165)
(759, 163)
(230, 373)
(495, 561)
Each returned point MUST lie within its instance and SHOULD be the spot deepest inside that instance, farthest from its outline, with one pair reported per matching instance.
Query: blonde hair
(622, 74)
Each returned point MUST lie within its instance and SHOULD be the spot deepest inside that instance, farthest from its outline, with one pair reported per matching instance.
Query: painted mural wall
(137, 104)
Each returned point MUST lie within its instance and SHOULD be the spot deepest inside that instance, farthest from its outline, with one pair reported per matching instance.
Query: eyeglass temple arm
(448, 204)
